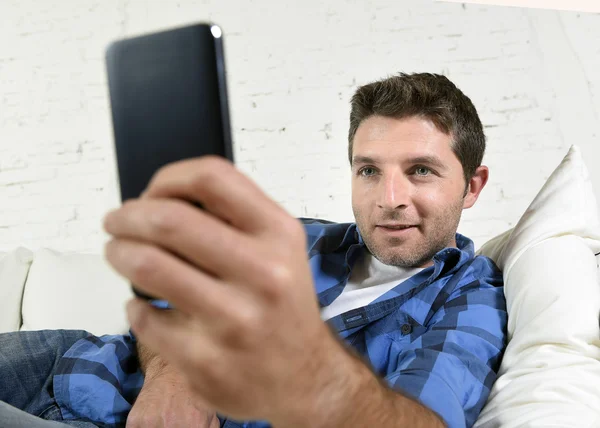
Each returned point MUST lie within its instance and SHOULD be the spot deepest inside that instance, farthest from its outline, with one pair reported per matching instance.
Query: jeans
(27, 363)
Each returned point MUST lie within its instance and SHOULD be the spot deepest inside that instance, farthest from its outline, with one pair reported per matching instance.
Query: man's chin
(398, 259)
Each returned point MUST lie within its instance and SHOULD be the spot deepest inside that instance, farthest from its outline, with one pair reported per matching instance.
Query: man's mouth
(396, 226)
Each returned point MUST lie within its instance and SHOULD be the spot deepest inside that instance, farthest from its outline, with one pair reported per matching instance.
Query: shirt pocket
(388, 337)
(402, 328)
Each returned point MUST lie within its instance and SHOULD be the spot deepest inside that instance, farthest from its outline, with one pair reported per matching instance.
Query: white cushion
(14, 266)
(565, 205)
(550, 372)
(74, 291)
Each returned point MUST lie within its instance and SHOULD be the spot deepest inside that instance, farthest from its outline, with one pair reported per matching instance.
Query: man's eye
(367, 171)
(422, 171)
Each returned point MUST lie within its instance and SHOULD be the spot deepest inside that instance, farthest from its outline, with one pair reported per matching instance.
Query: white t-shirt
(368, 280)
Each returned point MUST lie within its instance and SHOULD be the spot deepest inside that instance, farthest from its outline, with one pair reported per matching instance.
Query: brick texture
(292, 67)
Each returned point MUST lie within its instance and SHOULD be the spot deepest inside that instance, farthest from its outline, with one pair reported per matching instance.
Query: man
(415, 324)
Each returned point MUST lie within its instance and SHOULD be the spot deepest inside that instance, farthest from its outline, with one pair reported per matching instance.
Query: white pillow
(565, 205)
(550, 372)
(74, 291)
(14, 266)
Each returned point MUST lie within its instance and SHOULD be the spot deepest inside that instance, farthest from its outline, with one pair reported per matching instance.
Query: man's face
(407, 189)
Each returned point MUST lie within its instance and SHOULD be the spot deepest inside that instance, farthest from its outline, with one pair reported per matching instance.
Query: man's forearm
(388, 408)
(165, 398)
(353, 396)
(356, 397)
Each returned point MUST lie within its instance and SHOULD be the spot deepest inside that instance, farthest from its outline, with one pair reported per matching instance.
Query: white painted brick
(12, 177)
(292, 68)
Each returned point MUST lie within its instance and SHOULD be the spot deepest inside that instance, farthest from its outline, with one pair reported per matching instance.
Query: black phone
(168, 98)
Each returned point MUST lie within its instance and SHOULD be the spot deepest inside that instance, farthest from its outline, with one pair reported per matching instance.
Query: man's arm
(166, 399)
(357, 397)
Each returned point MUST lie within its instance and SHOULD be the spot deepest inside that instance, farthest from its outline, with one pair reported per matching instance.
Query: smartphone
(168, 99)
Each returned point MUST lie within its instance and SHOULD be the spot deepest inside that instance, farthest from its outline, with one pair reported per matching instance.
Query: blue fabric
(11, 417)
(28, 361)
(437, 337)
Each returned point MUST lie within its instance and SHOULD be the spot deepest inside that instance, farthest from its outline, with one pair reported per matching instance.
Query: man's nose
(394, 192)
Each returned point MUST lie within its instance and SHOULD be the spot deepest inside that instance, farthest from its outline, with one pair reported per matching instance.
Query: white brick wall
(293, 66)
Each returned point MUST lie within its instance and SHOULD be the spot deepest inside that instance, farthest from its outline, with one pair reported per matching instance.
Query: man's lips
(396, 230)
(396, 226)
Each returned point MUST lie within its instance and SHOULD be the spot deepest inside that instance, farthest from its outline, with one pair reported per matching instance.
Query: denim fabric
(28, 361)
(11, 417)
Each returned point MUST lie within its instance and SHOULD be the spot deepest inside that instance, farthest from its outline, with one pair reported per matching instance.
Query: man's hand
(246, 332)
(166, 401)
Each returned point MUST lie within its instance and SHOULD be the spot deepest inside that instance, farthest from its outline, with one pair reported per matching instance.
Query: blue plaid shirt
(437, 337)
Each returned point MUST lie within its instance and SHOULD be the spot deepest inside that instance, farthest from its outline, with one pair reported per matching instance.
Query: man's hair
(426, 95)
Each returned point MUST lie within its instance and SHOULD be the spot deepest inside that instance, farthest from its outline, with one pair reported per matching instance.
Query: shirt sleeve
(97, 380)
(452, 366)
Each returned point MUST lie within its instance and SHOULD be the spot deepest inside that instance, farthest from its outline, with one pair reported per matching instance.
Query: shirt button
(406, 328)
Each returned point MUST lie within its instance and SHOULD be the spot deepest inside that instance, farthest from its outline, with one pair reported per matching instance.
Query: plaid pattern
(98, 379)
(437, 337)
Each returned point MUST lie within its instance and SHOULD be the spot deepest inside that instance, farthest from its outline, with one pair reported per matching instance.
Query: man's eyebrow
(363, 159)
(427, 160)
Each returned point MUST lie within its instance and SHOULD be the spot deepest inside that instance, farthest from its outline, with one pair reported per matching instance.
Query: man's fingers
(192, 234)
(165, 276)
(176, 337)
(220, 188)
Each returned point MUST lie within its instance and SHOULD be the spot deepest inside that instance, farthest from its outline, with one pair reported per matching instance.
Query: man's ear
(475, 186)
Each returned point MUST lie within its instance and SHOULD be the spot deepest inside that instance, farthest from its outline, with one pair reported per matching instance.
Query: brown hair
(431, 96)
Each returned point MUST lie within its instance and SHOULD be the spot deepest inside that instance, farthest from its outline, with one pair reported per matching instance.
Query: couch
(550, 374)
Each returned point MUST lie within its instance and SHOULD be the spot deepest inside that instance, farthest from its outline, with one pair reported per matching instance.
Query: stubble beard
(439, 234)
